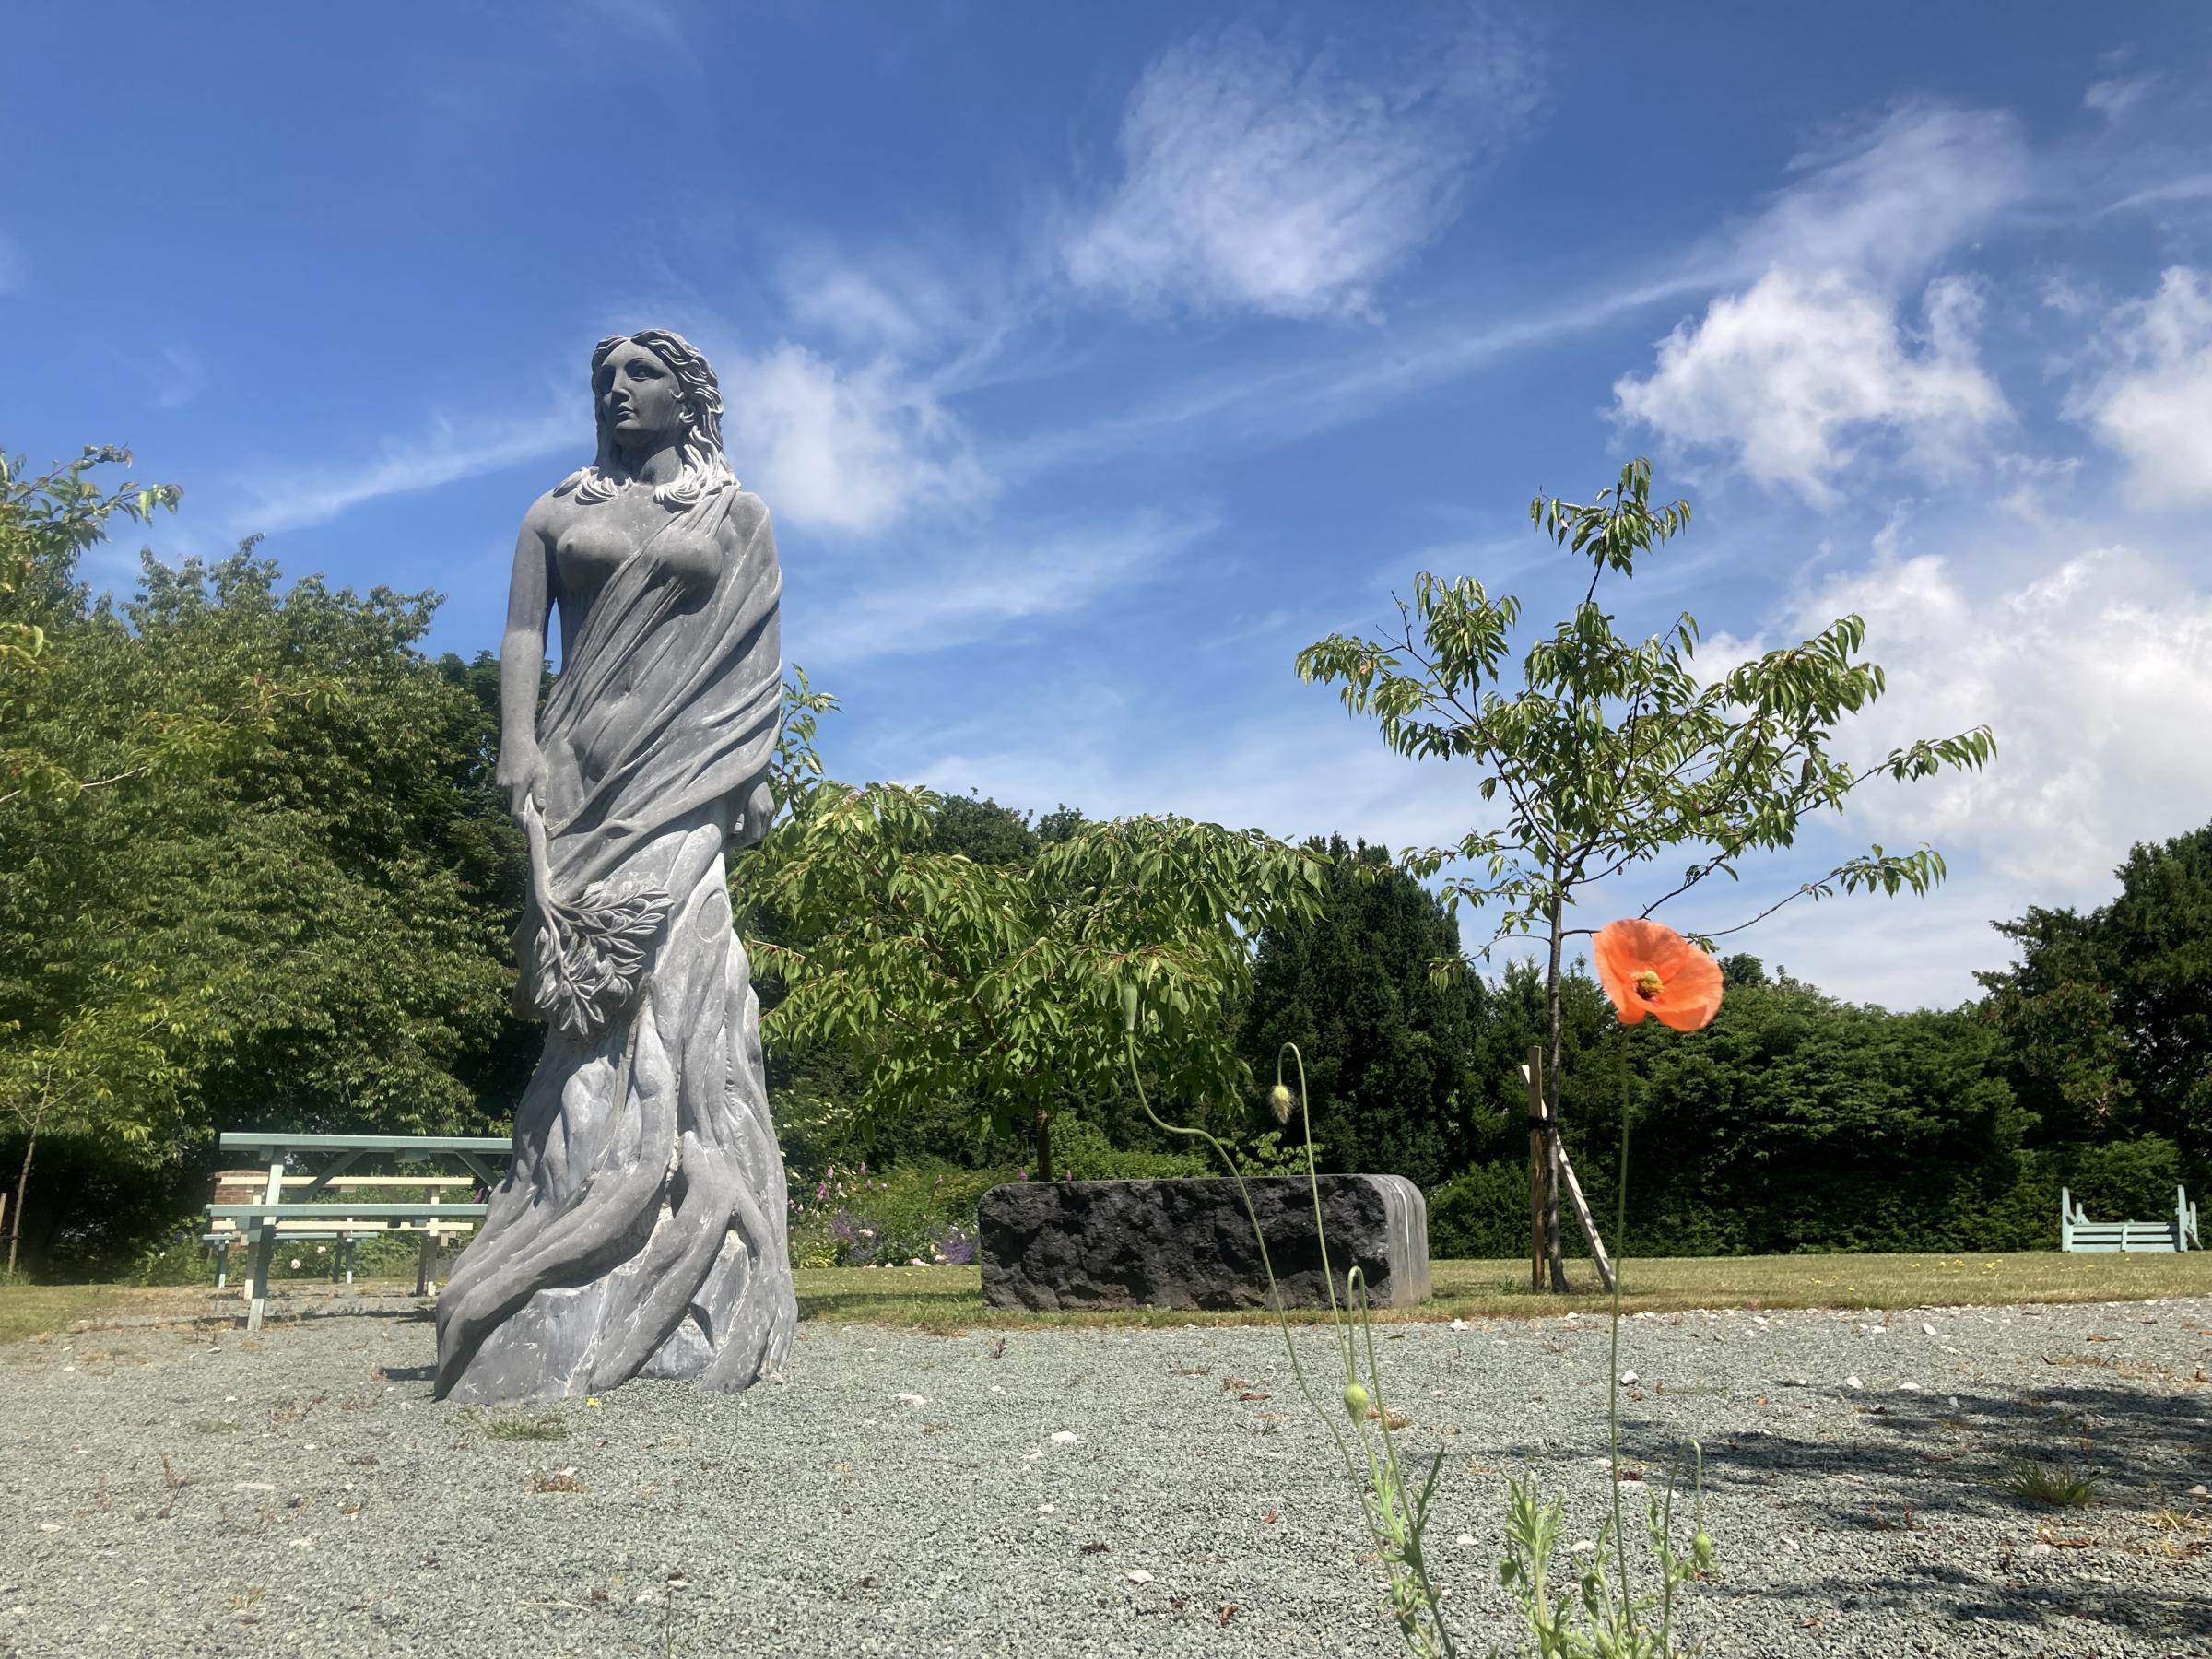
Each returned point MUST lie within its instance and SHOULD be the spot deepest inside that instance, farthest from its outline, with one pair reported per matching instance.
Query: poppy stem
(1620, 1227)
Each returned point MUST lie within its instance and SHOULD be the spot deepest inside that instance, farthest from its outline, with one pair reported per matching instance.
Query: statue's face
(638, 398)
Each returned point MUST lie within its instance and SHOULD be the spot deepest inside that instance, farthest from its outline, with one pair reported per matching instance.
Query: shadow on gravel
(1931, 1458)
(2073, 1611)
(1907, 1468)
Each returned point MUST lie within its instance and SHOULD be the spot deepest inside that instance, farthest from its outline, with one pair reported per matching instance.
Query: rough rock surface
(1188, 1245)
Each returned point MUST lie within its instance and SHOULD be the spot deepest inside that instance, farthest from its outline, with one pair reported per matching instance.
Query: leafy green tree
(1606, 753)
(2108, 1015)
(997, 983)
(1386, 1045)
(305, 926)
(979, 827)
(47, 520)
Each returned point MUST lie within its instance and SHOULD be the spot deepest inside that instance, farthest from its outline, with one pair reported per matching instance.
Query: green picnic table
(334, 1156)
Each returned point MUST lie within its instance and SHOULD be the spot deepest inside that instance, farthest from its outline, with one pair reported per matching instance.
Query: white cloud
(974, 592)
(2153, 404)
(1258, 177)
(2097, 679)
(1887, 199)
(1794, 376)
(847, 450)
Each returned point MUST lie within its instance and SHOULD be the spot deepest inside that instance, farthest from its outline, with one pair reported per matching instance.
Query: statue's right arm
(522, 661)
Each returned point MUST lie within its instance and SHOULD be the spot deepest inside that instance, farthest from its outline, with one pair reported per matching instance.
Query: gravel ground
(179, 1492)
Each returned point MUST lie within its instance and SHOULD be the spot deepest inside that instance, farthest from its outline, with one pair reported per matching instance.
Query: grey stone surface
(640, 1229)
(1068, 1244)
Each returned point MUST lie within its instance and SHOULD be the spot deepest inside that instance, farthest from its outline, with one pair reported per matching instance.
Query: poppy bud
(1280, 1102)
(1355, 1400)
(1129, 1008)
(1701, 1551)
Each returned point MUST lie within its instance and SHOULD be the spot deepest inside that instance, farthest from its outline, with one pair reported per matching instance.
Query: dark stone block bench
(1188, 1245)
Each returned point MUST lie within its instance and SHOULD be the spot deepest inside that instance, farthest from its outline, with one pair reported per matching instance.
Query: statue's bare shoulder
(546, 516)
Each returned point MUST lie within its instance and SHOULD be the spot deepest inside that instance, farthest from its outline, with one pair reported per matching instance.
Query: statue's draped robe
(641, 1229)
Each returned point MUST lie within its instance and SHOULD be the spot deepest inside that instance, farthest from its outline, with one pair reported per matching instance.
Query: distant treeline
(254, 873)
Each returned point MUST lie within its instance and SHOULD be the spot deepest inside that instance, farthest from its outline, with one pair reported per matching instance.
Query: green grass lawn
(945, 1298)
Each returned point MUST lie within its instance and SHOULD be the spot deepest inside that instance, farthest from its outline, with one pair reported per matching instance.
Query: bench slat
(333, 1212)
(237, 1141)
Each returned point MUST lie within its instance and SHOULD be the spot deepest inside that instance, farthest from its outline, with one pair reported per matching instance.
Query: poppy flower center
(1648, 986)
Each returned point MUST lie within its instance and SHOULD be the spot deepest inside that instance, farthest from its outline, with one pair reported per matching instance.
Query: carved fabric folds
(641, 1229)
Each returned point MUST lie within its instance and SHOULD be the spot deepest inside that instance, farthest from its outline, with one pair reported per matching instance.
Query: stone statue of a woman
(641, 1227)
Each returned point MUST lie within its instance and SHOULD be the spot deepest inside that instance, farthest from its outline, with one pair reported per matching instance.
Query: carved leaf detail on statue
(591, 954)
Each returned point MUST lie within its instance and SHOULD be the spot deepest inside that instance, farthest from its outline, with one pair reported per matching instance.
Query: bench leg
(264, 1250)
(222, 1263)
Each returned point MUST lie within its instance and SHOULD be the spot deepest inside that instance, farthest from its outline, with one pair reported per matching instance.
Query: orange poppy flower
(1647, 968)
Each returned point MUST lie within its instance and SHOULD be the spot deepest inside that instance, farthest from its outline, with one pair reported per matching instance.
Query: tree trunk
(1552, 1095)
(15, 1235)
(1539, 1158)
(1042, 1127)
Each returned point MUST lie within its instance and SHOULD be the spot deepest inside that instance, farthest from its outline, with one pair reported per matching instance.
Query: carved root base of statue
(641, 1231)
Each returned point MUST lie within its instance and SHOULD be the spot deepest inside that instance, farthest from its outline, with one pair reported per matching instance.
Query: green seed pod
(1355, 1400)
(1129, 1006)
(1701, 1549)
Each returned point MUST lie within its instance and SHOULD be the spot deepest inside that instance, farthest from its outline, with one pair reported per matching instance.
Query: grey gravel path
(171, 1492)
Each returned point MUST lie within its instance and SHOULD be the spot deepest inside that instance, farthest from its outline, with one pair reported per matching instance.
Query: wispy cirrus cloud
(1259, 175)
(967, 593)
(449, 450)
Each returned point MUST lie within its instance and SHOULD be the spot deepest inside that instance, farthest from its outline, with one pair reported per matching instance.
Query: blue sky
(1094, 359)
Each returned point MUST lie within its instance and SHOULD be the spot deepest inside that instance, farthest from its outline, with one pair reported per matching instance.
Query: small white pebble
(1790, 1544)
(1908, 1388)
(907, 1399)
(1461, 1324)
(1137, 1575)
(1627, 1378)
(253, 1485)
(1062, 1437)
(1465, 1540)
(1046, 1509)
(1583, 1547)
(50, 1526)
(1927, 1329)
(996, 1389)
(1852, 1383)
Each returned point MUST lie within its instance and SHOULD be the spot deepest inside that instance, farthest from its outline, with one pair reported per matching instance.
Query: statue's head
(651, 391)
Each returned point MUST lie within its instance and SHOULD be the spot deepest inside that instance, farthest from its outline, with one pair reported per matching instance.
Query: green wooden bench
(248, 1187)
(305, 1213)
(2177, 1232)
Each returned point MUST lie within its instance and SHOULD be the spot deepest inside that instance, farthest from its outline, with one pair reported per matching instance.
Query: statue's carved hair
(705, 470)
